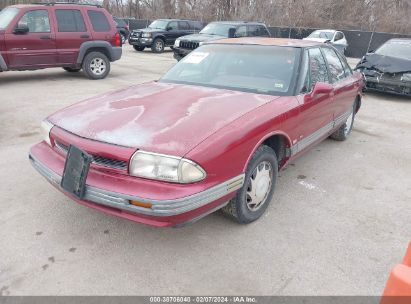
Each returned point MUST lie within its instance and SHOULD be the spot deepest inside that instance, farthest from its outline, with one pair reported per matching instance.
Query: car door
(184, 28)
(35, 48)
(172, 32)
(71, 33)
(316, 112)
(341, 78)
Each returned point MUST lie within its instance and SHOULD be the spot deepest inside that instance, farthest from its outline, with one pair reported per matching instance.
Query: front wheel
(158, 45)
(254, 197)
(345, 130)
(96, 65)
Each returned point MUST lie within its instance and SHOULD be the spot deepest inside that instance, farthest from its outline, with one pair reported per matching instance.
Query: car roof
(268, 42)
(238, 22)
(59, 5)
(176, 20)
(326, 31)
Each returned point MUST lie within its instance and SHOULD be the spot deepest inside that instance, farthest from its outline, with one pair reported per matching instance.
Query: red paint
(50, 49)
(218, 129)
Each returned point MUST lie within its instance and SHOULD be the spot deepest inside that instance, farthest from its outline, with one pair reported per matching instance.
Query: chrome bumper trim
(159, 208)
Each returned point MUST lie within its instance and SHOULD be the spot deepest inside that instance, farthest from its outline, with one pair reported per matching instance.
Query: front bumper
(180, 53)
(146, 42)
(387, 85)
(163, 213)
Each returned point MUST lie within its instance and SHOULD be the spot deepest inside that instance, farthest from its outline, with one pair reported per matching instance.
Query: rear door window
(183, 25)
(257, 30)
(37, 21)
(70, 21)
(241, 31)
(337, 71)
(99, 21)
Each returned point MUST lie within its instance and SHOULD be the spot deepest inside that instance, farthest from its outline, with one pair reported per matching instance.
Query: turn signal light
(141, 204)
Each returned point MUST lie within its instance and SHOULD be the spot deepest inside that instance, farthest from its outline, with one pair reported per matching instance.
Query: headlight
(165, 168)
(406, 77)
(46, 126)
(200, 43)
(146, 35)
(177, 43)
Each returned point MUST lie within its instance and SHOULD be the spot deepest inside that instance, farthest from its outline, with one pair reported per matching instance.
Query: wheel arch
(280, 142)
(94, 46)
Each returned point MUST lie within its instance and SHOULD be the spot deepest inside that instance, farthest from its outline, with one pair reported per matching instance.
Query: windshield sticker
(196, 57)
(279, 85)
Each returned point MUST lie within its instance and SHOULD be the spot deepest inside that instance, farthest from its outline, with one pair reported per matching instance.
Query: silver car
(336, 38)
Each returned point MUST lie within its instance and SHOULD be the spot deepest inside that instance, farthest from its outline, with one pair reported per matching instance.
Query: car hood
(157, 117)
(317, 39)
(149, 30)
(385, 64)
(201, 37)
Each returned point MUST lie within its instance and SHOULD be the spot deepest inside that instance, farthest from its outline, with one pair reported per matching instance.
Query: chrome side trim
(159, 208)
(309, 140)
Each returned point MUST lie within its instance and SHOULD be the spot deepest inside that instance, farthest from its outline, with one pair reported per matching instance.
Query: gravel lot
(339, 221)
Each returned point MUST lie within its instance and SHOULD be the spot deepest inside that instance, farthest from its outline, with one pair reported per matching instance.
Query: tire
(72, 70)
(263, 170)
(138, 48)
(158, 45)
(345, 130)
(96, 65)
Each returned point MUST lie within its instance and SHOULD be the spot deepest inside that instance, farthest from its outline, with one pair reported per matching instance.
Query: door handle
(84, 36)
(45, 37)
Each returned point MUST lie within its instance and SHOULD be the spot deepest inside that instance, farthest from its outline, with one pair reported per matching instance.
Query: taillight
(117, 39)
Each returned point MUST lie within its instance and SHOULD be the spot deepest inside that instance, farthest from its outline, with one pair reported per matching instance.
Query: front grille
(99, 160)
(136, 34)
(189, 45)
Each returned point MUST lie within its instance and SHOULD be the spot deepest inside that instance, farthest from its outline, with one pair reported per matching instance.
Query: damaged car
(211, 134)
(388, 69)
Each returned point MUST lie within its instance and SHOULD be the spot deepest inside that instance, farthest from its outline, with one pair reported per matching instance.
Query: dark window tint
(336, 68)
(338, 36)
(70, 21)
(241, 31)
(316, 69)
(257, 30)
(183, 25)
(172, 25)
(37, 21)
(99, 21)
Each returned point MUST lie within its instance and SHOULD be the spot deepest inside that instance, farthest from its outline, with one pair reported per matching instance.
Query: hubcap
(159, 45)
(98, 66)
(348, 123)
(259, 186)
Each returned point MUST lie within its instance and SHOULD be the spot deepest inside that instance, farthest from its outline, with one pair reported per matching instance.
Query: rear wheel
(345, 130)
(138, 48)
(96, 65)
(72, 70)
(158, 45)
(254, 197)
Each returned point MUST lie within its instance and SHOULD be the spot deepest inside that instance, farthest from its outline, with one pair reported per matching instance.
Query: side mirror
(231, 32)
(21, 28)
(322, 88)
(169, 28)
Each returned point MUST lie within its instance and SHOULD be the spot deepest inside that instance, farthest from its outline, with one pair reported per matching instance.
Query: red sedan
(211, 134)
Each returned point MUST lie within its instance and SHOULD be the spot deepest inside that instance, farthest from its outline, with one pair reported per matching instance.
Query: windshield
(249, 68)
(159, 24)
(219, 29)
(323, 35)
(398, 49)
(6, 16)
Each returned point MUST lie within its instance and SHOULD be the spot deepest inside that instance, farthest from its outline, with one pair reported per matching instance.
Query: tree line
(369, 15)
